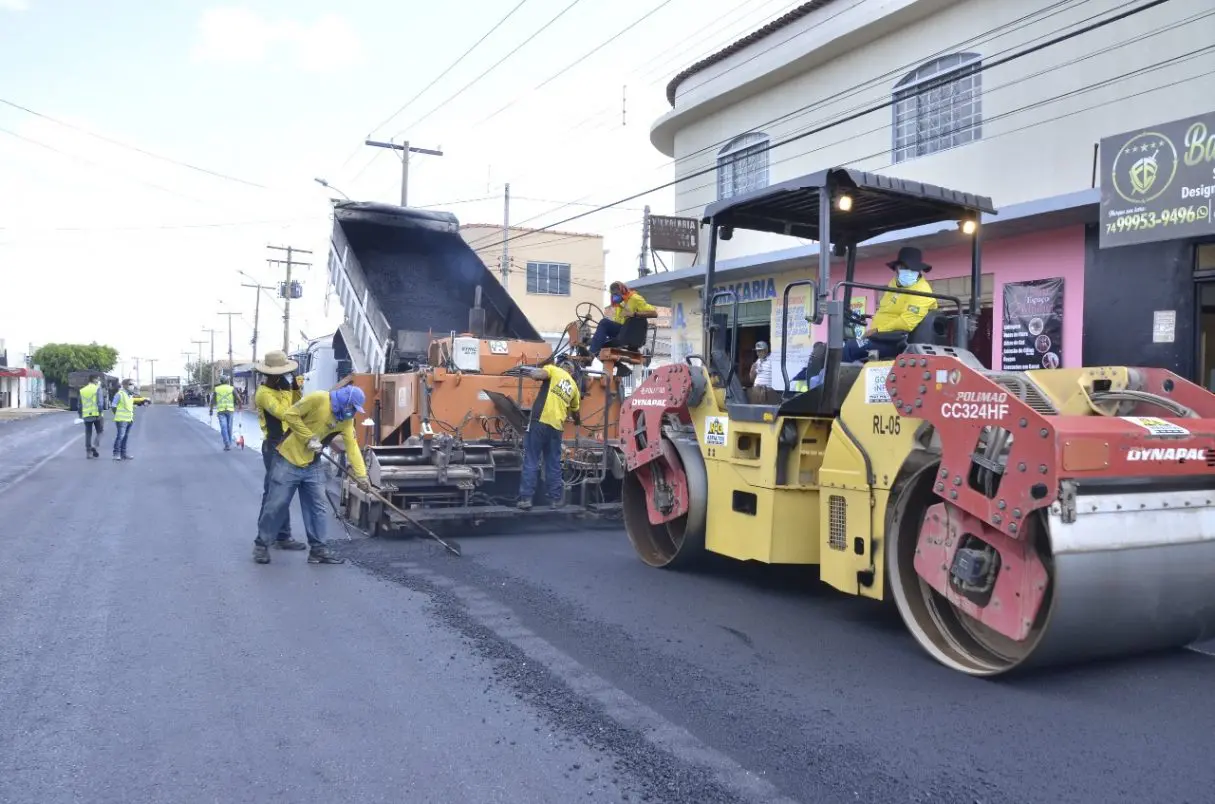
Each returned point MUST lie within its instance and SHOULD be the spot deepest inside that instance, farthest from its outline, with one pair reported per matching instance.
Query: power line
(492, 67)
(91, 163)
(565, 70)
(838, 121)
(134, 148)
(1002, 29)
(450, 67)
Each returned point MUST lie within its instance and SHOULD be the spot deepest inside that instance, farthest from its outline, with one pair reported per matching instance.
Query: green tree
(58, 360)
(200, 373)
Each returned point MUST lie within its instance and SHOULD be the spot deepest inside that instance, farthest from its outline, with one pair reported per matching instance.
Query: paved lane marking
(619, 705)
(1200, 650)
(36, 466)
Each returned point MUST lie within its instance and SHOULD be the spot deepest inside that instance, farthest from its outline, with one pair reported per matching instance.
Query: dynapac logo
(1170, 454)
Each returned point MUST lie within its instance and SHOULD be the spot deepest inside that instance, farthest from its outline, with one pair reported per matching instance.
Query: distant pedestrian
(274, 397)
(125, 402)
(223, 402)
(558, 399)
(311, 422)
(92, 402)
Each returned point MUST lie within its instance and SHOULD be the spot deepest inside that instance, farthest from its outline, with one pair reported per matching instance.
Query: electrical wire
(492, 67)
(565, 70)
(450, 67)
(1035, 17)
(877, 107)
(135, 148)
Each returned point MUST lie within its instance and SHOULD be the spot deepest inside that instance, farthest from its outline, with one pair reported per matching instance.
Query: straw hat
(275, 363)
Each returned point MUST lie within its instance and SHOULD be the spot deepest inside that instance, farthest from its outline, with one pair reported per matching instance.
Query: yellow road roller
(1017, 519)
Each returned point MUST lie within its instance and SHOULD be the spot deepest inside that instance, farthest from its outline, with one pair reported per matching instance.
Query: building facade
(548, 274)
(988, 98)
(21, 382)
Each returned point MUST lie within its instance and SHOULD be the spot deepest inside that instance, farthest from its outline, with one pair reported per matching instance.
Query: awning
(20, 372)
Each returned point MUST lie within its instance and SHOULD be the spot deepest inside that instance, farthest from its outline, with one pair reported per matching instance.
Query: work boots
(261, 554)
(321, 555)
(289, 544)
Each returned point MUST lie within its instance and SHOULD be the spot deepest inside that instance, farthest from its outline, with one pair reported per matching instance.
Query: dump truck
(1016, 519)
(438, 347)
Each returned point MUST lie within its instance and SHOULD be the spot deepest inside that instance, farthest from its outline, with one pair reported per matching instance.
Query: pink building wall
(1041, 255)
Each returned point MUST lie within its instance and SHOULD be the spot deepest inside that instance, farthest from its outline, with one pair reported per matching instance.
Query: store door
(1204, 315)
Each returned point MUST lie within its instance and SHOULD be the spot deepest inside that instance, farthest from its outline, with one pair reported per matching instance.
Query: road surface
(148, 659)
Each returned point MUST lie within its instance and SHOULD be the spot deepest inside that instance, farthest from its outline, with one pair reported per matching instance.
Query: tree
(58, 360)
(199, 373)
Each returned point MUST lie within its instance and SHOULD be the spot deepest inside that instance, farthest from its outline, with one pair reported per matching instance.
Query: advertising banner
(1033, 325)
(1157, 183)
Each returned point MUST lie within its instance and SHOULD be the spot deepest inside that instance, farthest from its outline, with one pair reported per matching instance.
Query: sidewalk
(17, 414)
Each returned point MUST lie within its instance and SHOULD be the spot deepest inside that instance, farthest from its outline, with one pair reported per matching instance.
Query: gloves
(577, 419)
(364, 484)
(315, 445)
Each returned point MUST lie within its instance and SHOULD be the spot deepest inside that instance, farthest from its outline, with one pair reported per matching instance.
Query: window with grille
(548, 278)
(742, 165)
(938, 106)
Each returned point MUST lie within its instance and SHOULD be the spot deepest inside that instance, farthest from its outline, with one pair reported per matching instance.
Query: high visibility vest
(225, 398)
(124, 409)
(88, 401)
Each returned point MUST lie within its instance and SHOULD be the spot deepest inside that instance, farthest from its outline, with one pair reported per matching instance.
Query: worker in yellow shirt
(626, 304)
(125, 402)
(897, 312)
(274, 396)
(558, 399)
(223, 402)
(296, 466)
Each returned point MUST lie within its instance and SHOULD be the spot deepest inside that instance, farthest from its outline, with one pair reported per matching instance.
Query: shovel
(450, 546)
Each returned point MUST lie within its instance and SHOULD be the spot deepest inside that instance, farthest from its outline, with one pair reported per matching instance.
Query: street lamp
(329, 186)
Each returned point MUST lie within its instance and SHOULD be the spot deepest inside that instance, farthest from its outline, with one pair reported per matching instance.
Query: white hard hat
(762, 345)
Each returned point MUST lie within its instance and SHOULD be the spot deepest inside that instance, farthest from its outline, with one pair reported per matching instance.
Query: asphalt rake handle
(450, 546)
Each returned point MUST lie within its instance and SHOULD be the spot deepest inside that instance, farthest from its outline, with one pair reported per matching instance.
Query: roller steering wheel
(586, 317)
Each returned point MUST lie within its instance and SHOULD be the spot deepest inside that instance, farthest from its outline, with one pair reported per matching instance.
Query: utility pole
(198, 373)
(406, 149)
(135, 360)
(152, 361)
(288, 289)
(212, 331)
(257, 304)
(642, 270)
(231, 362)
(506, 238)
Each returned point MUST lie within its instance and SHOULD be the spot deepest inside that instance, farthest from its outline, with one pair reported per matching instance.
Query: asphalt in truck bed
(146, 658)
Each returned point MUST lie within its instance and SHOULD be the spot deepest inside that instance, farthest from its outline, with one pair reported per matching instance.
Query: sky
(163, 146)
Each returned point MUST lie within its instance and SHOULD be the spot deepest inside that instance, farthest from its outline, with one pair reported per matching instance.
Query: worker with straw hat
(277, 393)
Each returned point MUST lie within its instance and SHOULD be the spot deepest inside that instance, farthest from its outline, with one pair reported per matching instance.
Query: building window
(742, 165)
(938, 106)
(548, 278)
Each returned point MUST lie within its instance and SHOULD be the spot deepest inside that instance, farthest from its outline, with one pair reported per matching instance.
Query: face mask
(617, 298)
(907, 277)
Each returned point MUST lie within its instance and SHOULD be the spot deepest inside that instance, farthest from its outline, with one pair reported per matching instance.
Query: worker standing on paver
(274, 396)
(317, 418)
(125, 402)
(92, 402)
(223, 402)
(558, 398)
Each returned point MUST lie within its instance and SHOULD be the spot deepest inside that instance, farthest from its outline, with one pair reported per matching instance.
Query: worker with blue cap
(311, 423)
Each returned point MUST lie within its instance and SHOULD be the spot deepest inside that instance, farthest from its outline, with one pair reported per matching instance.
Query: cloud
(14, 5)
(241, 36)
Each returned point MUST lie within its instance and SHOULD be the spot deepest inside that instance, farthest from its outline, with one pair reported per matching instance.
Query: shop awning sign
(1158, 183)
(680, 235)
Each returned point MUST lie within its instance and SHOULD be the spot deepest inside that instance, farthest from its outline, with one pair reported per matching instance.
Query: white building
(21, 384)
(971, 95)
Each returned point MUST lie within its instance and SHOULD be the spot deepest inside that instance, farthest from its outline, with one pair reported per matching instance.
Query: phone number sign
(1158, 183)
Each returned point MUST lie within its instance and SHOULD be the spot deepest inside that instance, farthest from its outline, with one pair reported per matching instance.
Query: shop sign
(1033, 325)
(754, 290)
(680, 235)
(1158, 183)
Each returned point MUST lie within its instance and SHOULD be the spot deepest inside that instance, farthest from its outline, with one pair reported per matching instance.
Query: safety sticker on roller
(875, 385)
(1157, 427)
(716, 429)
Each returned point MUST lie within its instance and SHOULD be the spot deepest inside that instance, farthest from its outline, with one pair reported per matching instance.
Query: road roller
(1016, 519)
